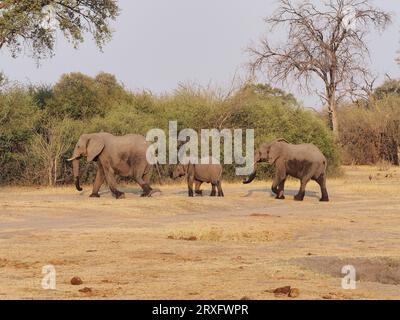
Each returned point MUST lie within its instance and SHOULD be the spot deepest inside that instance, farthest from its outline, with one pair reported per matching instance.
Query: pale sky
(160, 43)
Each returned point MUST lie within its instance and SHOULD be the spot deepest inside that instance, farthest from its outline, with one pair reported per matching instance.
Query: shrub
(40, 124)
(18, 118)
(371, 133)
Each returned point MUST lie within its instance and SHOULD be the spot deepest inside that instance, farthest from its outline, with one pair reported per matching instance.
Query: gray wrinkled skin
(304, 162)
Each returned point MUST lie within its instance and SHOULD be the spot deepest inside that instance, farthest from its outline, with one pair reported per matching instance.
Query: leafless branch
(324, 41)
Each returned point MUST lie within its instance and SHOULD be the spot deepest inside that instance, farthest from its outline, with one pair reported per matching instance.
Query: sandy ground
(174, 247)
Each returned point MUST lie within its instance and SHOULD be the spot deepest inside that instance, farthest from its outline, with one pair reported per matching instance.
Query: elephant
(199, 173)
(303, 161)
(122, 155)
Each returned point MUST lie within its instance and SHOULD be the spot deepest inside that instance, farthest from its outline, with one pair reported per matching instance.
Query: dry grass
(175, 247)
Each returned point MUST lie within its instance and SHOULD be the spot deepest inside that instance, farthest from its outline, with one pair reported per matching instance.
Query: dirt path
(174, 247)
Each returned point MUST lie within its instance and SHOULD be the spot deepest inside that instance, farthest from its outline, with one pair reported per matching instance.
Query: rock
(245, 298)
(76, 281)
(294, 293)
(85, 290)
(282, 291)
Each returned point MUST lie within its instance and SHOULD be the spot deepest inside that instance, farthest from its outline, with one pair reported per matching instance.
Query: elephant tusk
(74, 158)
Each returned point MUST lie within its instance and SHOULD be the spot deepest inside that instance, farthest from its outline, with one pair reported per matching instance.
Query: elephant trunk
(75, 166)
(252, 176)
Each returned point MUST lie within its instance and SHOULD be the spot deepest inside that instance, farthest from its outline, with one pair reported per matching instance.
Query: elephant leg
(98, 182)
(147, 190)
(112, 183)
(197, 185)
(281, 190)
(190, 181)
(278, 185)
(322, 183)
(274, 187)
(144, 182)
(302, 191)
(220, 192)
(213, 189)
(142, 176)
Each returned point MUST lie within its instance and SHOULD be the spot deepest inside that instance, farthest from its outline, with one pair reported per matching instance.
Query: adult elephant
(303, 161)
(122, 155)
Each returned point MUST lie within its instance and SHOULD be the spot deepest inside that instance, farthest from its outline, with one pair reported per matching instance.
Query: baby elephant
(199, 173)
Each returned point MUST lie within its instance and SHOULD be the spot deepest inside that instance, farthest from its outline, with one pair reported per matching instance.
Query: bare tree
(325, 41)
(50, 147)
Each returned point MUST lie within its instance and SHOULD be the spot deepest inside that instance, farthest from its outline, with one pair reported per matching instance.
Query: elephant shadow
(135, 191)
(288, 192)
(185, 192)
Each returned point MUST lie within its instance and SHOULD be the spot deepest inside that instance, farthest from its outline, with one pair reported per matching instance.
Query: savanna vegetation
(370, 128)
(41, 124)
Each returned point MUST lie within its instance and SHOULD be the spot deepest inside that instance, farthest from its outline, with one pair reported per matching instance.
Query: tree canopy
(34, 24)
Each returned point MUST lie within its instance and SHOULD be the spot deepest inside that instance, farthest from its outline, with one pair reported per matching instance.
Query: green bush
(18, 119)
(40, 124)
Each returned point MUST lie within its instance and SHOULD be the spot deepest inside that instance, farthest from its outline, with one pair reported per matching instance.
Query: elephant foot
(221, 194)
(299, 197)
(199, 192)
(213, 194)
(147, 191)
(190, 193)
(94, 195)
(324, 199)
(280, 198)
(119, 195)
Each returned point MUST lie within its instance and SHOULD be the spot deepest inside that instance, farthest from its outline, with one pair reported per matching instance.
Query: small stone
(76, 281)
(294, 293)
(85, 290)
(245, 298)
(282, 291)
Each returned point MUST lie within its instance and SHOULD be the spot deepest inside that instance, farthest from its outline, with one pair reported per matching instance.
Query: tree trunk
(50, 172)
(394, 152)
(55, 171)
(333, 120)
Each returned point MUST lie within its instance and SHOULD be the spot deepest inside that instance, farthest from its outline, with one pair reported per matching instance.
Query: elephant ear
(275, 152)
(94, 147)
